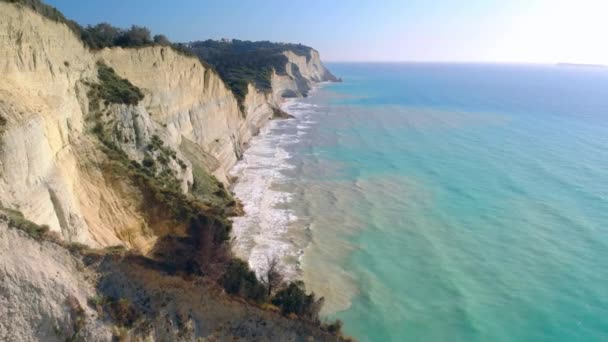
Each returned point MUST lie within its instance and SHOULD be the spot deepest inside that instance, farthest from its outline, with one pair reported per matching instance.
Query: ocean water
(440, 202)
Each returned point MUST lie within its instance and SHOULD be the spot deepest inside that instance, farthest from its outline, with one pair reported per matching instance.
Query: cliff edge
(114, 163)
(48, 162)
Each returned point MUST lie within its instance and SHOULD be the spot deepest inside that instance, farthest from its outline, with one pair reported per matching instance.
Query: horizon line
(465, 62)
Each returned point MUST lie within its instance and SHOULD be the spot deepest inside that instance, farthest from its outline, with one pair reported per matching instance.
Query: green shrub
(121, 311)
(99, 36)
(163, 160)
(136, 36)
(156, 142)
(77, 248)
(240, 280)
(161, 39)
(116, 249)
(3, 124)
(334, 328)
(104, 35)
(18, 221)
(148, 162)
(293, 299)
(114, 89)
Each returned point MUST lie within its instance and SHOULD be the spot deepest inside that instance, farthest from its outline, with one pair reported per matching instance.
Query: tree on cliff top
(135, 36)
(100, 36)
(105, 35)
(239, 279)
(293, 299)
(272, 277)
(161, 39)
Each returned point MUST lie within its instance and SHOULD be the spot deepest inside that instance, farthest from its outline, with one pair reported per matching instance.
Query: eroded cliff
(49, 160)
(149, 175)
(49, 293)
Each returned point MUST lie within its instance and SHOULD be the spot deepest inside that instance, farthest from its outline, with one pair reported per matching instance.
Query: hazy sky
(382, 30)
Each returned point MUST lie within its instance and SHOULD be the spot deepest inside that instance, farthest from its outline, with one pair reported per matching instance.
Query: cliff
(302, 72)
(282, 69)
(103, 174)
(48, 156)
(48, 293)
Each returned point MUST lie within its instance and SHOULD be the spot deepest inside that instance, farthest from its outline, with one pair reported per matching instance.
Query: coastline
(278, 221)
(115, 176)
(259, 234)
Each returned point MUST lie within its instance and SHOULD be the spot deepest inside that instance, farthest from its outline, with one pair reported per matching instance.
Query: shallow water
(441, 202)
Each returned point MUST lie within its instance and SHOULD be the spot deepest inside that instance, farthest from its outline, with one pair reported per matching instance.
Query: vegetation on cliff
(205, 187)
(241, 62)
(16, 220)
(114, 89)
(3, 123)
(192, 228)
(103, 35)
(237, 62)
(197, 239)
(293, 299)
(49, 12)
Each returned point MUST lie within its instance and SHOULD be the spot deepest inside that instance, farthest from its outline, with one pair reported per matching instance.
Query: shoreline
(268, 214)
(276, 221)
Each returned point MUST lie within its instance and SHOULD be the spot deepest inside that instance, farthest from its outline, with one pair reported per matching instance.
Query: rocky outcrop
(302, 72)
(50, 163)
(183, 99)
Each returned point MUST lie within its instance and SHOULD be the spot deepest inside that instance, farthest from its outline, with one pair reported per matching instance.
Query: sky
(525, 31)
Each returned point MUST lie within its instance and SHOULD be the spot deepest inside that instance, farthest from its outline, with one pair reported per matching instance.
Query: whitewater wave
(262, 234)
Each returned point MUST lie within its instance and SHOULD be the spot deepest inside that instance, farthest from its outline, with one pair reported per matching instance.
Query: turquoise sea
(441, 202)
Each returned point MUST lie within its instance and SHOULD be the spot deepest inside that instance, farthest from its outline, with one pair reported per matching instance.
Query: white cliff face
(186, 100)
(50, 163)
(42, 292)
(53, 169)
(183, 99)
(259, 108)
(310, 67)
(41, 67)
(302, 73)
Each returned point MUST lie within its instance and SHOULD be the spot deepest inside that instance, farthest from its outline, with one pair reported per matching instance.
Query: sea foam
(262, 233)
